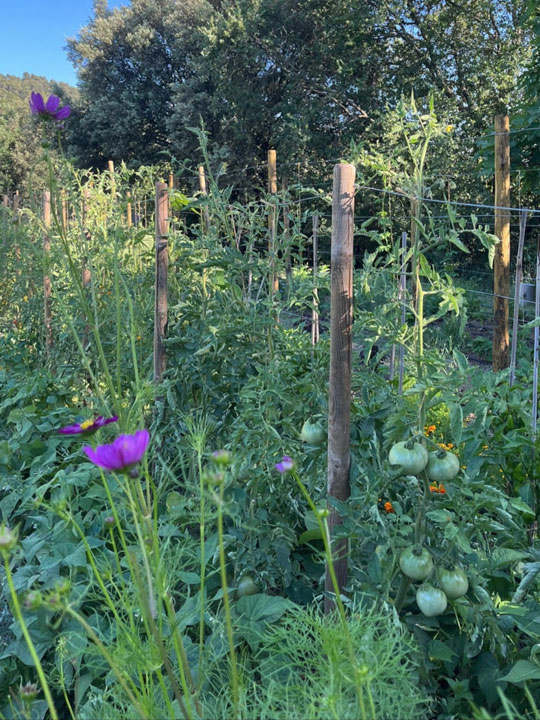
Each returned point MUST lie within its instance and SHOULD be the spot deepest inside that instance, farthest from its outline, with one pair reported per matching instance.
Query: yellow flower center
(86, 424)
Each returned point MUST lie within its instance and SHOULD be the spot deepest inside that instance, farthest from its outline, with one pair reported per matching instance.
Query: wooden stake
(205, 211)
(162, 263)
(339, 392)
(315, 331)
(272, 219)
(501, 263)
(171, 181)
(519, 274)
(47, 317)
(128, 209)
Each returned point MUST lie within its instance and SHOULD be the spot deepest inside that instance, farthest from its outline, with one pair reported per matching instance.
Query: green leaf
(506, 556)
(440, 651)
(523, 670)
(456, 422)
(310, 535)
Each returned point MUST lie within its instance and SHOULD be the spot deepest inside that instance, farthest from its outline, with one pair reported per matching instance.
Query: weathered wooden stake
(162, 263)
(272, 220)
(47, 317)
(315, 313)
(519, 274)
(501, 262)
(171, 181)
(205, 211)
(128, 209)
(339, 391)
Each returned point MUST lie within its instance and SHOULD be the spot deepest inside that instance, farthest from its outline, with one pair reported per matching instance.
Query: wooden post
(519, 273)
(171, 181)
(110, 165)
(202, 188)
(128, 209)
(162, 263)
(272, 217)
(47, 318)
(315, 312)
(5, 201)
(501, 263)
(339, 391)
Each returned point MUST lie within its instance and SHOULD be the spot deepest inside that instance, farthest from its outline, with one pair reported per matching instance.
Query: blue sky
(33, 35)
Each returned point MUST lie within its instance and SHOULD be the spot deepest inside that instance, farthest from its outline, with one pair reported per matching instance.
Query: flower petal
(63, 113)
(52, 104)
(36, 103)
(71, 429)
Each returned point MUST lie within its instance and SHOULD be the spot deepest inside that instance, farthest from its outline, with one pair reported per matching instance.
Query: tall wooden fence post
(162, 263)
(501, 262)
(272, 221)
(339, 391)
(47, 317)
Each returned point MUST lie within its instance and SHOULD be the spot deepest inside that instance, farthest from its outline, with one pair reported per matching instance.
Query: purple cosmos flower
(286, 465)
(48, 109)
(88, 426)
(125, 452)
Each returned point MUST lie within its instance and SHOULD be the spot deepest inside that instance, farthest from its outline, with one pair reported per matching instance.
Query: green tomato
(442, 466)
(246, 586)
(312, 433)
(412, 457)
(431, 600)
(454, 582)
(416, 563)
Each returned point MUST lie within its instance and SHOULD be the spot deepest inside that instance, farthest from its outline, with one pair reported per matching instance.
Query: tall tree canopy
(306, 76)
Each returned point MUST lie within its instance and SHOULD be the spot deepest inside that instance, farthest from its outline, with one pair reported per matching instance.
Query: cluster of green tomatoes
(416, 562)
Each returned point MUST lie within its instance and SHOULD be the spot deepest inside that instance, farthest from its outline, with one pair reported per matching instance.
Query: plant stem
(228, 623)
(31, 648)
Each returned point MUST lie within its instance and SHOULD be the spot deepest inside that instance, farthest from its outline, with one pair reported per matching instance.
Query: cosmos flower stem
(122, 679)
(226, 603)
(202, 567)
(70, 520)
(136, 518)
(161, 649)
(31, 647)
(323, 527)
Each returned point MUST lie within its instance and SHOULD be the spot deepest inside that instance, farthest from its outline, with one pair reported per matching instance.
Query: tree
(127, 60)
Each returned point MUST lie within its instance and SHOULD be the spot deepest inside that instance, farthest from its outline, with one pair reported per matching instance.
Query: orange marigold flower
(389, 507)
(442, 490)
(434, 488)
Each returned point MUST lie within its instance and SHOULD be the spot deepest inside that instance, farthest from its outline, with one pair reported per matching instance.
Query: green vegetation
(187, 578)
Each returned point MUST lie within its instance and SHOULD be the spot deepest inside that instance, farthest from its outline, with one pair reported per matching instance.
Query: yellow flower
(25, 298)
(449, 128)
